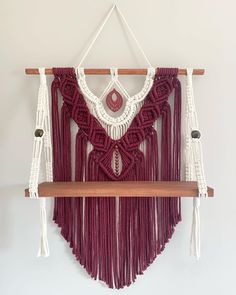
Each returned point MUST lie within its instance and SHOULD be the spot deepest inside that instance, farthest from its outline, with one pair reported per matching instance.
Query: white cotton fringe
(43, 123)
(43, 246)
(195, 242)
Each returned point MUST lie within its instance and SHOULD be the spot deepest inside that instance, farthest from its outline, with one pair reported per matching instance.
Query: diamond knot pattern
(127, 160)
(133, 138)
(161, 90)
(148, 115)
(99, 139)
(69, 91)
(81, 116)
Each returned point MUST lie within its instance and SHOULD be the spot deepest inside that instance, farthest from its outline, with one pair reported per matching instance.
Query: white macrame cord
(115, 126)
(194, 164)
(114, 7)
(42, 138)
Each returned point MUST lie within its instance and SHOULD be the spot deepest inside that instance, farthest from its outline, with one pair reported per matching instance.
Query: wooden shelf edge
(120, 188)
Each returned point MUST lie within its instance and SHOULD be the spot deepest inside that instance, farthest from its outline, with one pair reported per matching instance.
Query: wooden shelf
(121, 189)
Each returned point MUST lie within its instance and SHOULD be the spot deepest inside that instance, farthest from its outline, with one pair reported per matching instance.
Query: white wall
(173, 33)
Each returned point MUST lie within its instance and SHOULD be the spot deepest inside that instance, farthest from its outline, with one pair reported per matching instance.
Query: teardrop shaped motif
(114, 100)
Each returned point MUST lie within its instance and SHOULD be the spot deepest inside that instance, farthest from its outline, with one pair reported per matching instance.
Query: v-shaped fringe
(116, 239)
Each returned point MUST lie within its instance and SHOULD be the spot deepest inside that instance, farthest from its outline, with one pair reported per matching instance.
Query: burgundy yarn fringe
(116, 239)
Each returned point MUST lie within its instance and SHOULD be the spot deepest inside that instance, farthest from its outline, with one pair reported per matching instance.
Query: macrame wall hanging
(120, 205)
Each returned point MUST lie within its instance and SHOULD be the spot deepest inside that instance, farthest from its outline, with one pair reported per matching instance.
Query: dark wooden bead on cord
(38, 133)
(195, 134)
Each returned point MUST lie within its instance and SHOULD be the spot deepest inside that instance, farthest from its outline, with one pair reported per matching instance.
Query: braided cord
(42, 138)
(194, 164)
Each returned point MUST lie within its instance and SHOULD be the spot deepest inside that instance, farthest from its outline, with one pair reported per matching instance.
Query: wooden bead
(38, 133)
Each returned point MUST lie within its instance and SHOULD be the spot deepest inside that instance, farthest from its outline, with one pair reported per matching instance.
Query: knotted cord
(42, 138)
(194, 163)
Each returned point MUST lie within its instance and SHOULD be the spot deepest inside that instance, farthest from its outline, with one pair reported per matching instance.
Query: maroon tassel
(57, 156)
(66, 159)
(166, 171)
(80, 171)
(176, 165)
(62, 163)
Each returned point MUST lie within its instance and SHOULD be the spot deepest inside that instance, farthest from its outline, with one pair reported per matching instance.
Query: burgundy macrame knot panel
(115, 239)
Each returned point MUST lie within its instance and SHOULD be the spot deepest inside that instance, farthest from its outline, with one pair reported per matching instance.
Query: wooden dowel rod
(35, 71)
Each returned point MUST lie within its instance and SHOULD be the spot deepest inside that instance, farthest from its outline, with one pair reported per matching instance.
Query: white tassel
(43, 246)
(195, 242)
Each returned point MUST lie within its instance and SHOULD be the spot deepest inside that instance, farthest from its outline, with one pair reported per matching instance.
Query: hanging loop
(114, 7)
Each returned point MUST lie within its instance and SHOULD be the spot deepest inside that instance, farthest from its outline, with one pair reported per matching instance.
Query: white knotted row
(42, 138)
(115, 126)
(194, 164)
